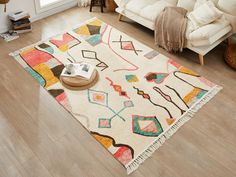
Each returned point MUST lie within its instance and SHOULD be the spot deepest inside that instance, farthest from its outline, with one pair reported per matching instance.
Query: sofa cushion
(151, 12)
(220, 27)
(215, 1)
(204, 14)
(186, 4)
(199, 3)
(228, 6)
(173, 2)
(136, 6)
(213, 39)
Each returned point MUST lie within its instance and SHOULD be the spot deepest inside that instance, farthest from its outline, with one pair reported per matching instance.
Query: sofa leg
(201, 59)
(120, 17)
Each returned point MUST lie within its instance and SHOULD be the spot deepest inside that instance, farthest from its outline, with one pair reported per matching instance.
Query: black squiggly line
(95, 58)
(175, 74)
(178, 95)
(155, 104)
(158, 90)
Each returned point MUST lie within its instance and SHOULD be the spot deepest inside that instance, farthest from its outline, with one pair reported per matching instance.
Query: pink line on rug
(136, 67)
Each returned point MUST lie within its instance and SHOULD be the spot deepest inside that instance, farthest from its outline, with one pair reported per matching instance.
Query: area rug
(141, 99)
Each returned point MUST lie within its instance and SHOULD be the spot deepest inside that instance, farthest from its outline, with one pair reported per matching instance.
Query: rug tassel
(159, 142)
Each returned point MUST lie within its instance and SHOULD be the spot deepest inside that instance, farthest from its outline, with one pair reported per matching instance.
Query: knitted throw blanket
(170, 29)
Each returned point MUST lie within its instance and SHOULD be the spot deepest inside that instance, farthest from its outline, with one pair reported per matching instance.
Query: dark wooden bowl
(230, 55)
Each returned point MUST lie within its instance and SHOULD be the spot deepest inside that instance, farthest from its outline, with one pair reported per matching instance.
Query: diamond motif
(117, 88)
(128, 104)
(102, 65)
(146, 96)
(146, 126)
(98, 97)
(123, 93)
(127, 45)
(104, 123)
(93, 56)
(89, 54)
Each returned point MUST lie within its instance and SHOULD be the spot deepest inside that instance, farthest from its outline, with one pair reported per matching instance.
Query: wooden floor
(38, 138)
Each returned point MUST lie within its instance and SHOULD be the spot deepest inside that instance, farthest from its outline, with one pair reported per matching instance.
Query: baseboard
(54, 11)
(4, 29)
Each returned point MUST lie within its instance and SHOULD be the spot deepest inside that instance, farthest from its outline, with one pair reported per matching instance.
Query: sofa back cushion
(186, 4)
(228, 6)
(204, 14)
(199, 3)
(136, 6)
(173, 2)
(215, 1)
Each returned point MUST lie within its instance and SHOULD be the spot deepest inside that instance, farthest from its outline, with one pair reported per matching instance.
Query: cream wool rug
(141, 99)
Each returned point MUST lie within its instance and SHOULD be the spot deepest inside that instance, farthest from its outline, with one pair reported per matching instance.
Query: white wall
(12, 6)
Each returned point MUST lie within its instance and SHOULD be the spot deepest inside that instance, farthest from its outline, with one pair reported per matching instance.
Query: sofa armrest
(232, 20)
(117, 2)
(121, 3)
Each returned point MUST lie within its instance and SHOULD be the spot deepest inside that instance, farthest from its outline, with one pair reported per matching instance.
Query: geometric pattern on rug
(146, 126)
(65, 42)
(93, 56)
(118, 88)
(146, 96)
(131, 78)
(141, 98)
(121, 152)
(127, 45)
(46, 69)
(156, 77)
(101, 98)
(151, 55)
(91, 32)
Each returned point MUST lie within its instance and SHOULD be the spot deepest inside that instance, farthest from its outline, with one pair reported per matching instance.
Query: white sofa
(201, 40)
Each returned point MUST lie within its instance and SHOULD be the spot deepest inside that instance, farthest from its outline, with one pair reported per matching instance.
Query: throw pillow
(204, 14)
(186, 4)
(228, 6)
(199, 3)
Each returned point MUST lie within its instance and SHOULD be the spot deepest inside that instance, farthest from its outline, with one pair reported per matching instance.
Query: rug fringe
(132, 166)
